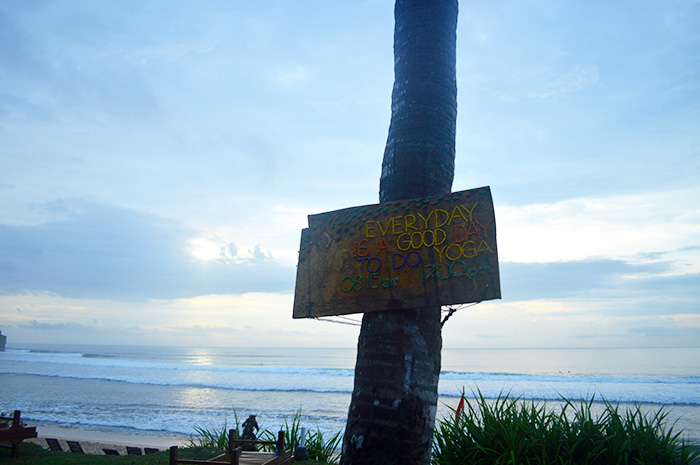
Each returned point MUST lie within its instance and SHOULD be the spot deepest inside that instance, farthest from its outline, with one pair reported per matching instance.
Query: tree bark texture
(394, 400)
(420, 149)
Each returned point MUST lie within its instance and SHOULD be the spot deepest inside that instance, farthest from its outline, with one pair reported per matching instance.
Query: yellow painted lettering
(425, 238)
(420, 239)
(425, 220)
(455, 213)
(470, 252)
(369, 229)
(470, 211)
(403, 242)
(446, 216)
(396, 223)
(410, 221)
(439, 251)
(454, 257)
(439, 232)
(483, 247)
(384, 230)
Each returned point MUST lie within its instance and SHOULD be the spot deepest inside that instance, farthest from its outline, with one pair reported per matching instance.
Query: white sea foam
(175, 389)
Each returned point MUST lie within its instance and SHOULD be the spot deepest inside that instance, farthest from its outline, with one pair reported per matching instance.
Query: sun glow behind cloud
(204, 249)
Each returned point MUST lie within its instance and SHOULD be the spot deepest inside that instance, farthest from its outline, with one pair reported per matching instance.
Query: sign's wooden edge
(304, 305)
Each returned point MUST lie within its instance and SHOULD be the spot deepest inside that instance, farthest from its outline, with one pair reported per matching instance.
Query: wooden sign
(417, 253)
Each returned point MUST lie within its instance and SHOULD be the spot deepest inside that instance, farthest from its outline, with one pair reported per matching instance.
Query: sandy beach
(93, 442)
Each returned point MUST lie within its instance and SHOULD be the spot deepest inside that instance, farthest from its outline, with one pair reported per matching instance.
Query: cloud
(229, 123)
(63, 70)
(577, 78)
(617, 226)
(248, 319)
(571, 322)
(527, 281)
(615, 287)
(664, 332)
(35, 325)
(111, 252)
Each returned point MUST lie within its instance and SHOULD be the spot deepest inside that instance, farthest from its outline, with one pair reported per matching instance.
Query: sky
(158, 161)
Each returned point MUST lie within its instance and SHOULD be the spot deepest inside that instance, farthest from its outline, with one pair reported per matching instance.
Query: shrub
(318, 447)
(511, 431)
(212, 437)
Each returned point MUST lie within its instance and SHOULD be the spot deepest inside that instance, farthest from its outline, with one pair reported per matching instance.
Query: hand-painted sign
(438, 250)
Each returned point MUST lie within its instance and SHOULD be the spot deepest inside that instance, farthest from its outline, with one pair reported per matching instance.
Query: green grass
(509, 432)
(32, 454)
(319, 447)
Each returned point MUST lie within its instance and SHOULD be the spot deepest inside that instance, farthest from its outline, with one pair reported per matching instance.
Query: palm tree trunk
(394, 400)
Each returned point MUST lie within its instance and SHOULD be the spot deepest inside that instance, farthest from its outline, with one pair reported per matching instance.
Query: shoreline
(93, 442)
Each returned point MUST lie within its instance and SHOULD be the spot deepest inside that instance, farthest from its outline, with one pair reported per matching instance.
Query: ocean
(143, 390)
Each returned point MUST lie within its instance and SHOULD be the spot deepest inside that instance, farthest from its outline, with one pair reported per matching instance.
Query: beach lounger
(133, 450)
(54, 444)
(111, 451)
(75, 447)
(150, 450)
